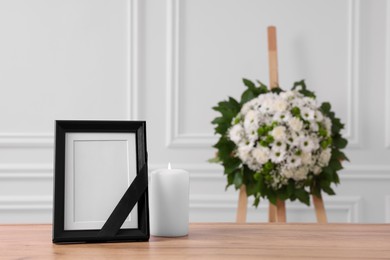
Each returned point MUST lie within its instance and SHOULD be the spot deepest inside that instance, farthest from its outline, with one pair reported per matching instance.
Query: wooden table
(213, 241)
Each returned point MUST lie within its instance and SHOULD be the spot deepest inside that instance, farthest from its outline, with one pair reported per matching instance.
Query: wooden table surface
(213, 241)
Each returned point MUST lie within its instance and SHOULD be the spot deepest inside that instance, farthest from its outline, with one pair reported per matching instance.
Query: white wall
(168, 62)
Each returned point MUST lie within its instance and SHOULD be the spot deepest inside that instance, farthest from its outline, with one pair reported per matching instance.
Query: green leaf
(339, 155)
(336, 178)
(336, 125)
(261, 84)
(251, 189)
(299, 84)
(237, 180)
(276, 90)
(340, 143)
(234, 104)
(214, 160)
(225, 148)
(249, 84)
(262, 89)
(336, 165)
(230, 179)
(303, 196)
(290, 188)
(328, 190)
(272, 197)
(282, 193)
(325, 108)
(246, 96)
(232, 164)
(228, 109)
(327, 171)
(324, 183)
(261, 180)
(308, 93)
(304, 91)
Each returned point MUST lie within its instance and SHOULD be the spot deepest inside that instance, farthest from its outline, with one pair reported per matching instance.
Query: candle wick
(169, 166)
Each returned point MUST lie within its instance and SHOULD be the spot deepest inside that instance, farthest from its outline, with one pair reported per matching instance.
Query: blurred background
(169, 62)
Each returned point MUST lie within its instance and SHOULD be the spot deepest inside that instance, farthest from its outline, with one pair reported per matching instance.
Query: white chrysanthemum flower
(286, 172)
(261, 154)
(316, 169)
(279, 146)
(298, 102)
(306, 158)
(245, 108)
(301, 173)
(252, 136)
(267, 104)
(251, 124)
(325, 157)
(281, 117)
(288, 95)
(277, 155)
(307, 113)
(296, 124)
(294, 161)
(250, 118)
(307, 144)
(296, 138)
(250, 105)
(318, 116)
(280, 105)
(254, 166)
(328, 124)
(236, 133)
(310, 101)
(314, 126)
(279, 133)
(244, 152)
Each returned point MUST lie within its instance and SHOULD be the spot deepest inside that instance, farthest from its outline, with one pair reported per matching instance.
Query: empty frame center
(97, 163)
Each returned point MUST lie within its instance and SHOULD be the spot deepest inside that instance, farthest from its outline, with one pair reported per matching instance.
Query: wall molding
(387, 79)
(387, 209)
(205, 171)
(353, 82)
(201, 171)
(46, 140)
(133, 59)
(173, 136)
(351, 204)
(26, 203)
(176, 139)
(26, 140)
(26, 171)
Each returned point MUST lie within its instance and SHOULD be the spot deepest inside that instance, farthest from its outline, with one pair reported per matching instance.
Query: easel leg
(280, 211)
(242, 205)
(271, 213)
(320, 209)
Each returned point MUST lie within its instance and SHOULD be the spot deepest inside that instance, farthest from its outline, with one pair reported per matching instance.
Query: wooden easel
(275, 213)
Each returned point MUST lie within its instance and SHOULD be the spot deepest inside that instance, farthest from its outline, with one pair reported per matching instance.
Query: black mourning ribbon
(125, 205)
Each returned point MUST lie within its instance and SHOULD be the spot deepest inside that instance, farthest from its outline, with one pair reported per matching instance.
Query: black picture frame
(136, 193)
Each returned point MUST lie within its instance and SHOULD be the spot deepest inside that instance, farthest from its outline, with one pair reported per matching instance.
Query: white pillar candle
(169, 202)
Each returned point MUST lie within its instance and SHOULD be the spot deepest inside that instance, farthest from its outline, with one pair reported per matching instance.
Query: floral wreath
(279, 144)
